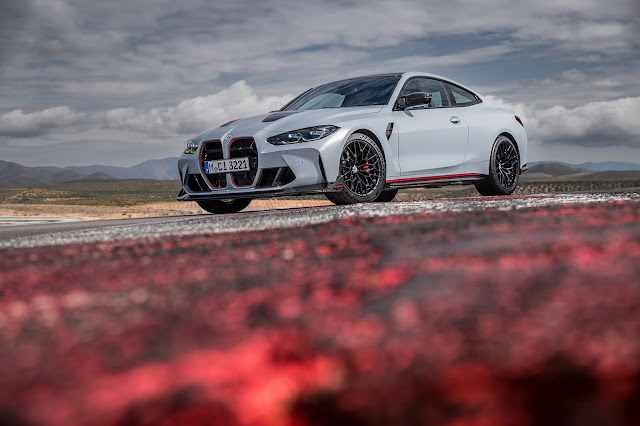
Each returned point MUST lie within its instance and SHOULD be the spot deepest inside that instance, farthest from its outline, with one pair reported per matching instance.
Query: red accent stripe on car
(229, 122)
(435, 177)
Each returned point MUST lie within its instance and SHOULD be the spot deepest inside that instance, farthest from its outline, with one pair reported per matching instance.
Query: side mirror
(413, 99)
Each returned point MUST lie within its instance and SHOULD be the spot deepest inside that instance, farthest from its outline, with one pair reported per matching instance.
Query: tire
(224, 206)
(386, 196)
(363, 170)
(504, 169)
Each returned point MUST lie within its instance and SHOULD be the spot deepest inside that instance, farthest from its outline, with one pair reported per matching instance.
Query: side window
(461, 96)
(439, 96)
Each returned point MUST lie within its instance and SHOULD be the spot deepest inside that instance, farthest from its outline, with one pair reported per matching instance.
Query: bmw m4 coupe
(358, 140)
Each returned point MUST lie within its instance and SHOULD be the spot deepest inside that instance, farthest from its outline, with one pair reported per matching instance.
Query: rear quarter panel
(486, 122)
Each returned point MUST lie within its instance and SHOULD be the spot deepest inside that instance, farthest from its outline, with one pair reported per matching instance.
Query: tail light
(519, 121)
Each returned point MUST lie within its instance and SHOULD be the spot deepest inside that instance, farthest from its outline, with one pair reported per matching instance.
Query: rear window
(461, 96)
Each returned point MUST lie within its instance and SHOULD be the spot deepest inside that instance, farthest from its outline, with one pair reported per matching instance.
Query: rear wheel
(504, 169)
(224, 206)
(363, 171)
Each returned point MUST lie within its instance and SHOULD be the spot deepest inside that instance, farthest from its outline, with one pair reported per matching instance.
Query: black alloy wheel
(504, 169)
(362, 169)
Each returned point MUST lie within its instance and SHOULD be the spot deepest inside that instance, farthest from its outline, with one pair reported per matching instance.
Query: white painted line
(34, 220)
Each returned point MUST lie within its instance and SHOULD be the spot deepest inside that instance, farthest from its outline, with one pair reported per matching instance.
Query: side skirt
(463, 179)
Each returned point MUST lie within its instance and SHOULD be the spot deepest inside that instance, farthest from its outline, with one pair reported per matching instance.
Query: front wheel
(363, 171)
(504, 169)
(224, 206)
(386, 196)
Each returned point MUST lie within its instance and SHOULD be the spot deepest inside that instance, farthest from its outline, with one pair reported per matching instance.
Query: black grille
(244, 148)
(276, 176)
(196, 183)
(211, 151)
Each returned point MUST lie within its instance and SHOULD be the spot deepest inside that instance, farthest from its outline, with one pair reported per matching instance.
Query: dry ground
(144, 210)
(143, 198)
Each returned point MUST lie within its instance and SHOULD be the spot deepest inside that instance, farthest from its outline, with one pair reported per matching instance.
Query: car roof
(407, 74)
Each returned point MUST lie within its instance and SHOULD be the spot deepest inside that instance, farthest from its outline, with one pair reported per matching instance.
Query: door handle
(454, 120)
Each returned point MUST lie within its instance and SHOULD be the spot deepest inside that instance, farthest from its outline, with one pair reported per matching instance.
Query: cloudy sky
(122, 81)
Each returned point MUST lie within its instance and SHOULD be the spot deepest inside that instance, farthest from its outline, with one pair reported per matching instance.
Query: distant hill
(554, 169)
(99, 176)
(560, 171)
(13, 174)
(604, 166)
(612, 175)
(165, 169)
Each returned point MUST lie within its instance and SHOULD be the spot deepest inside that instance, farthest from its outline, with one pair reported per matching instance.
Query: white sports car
(358, 140)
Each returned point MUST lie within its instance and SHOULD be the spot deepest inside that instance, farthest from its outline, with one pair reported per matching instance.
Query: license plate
(226, 166)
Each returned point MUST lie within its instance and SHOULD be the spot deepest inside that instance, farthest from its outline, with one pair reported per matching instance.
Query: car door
(432, 138)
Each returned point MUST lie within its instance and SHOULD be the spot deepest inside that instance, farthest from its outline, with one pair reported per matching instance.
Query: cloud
(459, 59)
(150, 67)
(190, 43)
(594, 124)
(570, 88)
(107, 89)
(13, 14)
(196, 114)
(18, 124)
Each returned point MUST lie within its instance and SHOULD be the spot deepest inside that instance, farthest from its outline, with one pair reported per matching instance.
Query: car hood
(284, 121)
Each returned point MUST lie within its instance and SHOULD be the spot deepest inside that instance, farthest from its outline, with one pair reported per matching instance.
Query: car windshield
(362, 91)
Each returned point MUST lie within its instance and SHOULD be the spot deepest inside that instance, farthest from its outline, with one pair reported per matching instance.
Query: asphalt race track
(483, 311)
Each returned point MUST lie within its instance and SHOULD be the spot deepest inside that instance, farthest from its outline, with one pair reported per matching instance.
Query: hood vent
(278, 115)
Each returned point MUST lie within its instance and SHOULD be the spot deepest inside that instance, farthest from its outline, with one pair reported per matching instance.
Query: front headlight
(302, 135)
(192, 147)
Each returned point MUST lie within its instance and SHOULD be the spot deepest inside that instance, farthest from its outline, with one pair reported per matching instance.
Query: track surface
(500, 311)
(107, 230)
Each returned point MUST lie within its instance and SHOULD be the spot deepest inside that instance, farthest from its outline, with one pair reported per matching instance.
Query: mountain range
(165, 169)
(555, 171)
(13, 174)
(599, 167)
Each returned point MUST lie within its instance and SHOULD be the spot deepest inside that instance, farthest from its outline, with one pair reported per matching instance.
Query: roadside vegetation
(126, 193)
(117, 193)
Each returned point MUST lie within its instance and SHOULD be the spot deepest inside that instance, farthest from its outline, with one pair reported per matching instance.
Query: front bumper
(279, 170)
